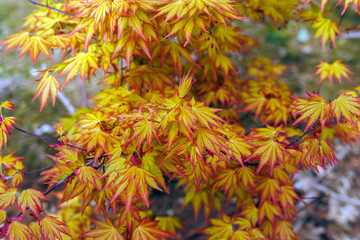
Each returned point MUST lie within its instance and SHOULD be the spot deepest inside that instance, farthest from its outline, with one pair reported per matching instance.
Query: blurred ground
(333, 196)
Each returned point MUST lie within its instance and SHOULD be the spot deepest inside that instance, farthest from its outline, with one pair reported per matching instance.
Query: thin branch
(50, 140)
(298, 139)
(65, 179)
(30, 172)
(51, 8)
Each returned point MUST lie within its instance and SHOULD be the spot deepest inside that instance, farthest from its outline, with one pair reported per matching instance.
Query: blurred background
(333, 195)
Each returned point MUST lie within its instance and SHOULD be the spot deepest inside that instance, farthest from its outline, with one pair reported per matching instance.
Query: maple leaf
(336, 69)
(5, 128)
(35, 228)
(31, 199)
(83, 63)
(89, 177)
(227, 178)
(326, 28)
(323, 4)
(134, 181)
(9, 160)
(269, 211)
(169, 224)
(315, 152)
(52, 228)
(288, 196)
(268, 188)
(104, 231)
(238, 148)
(7, 105)
(347, 3)
(270, 152)
(18, 231)
(185, 84)
(285, 231)
(222, 228)
(252, 213)
(316, 108)
(8, 198)
(17, 39)
(146, 230)
(2, 216)
(241, 235)
(247, 176)
(48, 84)
(348, 107)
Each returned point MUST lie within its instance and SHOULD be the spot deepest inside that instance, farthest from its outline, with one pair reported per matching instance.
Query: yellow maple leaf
(326, 28)
(336, 69)
(48, 84)
(31, 199)
(348, 107)
(18, 231)
(313, 109)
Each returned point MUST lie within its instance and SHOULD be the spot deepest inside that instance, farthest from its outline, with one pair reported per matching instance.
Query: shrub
(173, 108)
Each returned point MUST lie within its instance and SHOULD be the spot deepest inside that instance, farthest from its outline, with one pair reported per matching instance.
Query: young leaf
(314, 109)
(5, 128)
(185, 84)
(8, 198)
(31, 199)
(336, 69)
(221, 229)
(51, 228)
(7, 105)
(285, 231)
(147, 230)
(83, 63)
(2, 216)
(18, 231)
(348, 107)
(169, 224)
(326, 28)
(269, 152)
(104, 231)
(35, 45)
(48, 84)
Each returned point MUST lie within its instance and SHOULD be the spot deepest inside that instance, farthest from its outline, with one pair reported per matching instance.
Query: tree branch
(50, 140)
(27, 173)
(298, 139)
(51, 8)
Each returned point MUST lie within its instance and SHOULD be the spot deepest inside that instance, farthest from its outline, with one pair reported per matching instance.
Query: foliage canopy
(171, 109)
